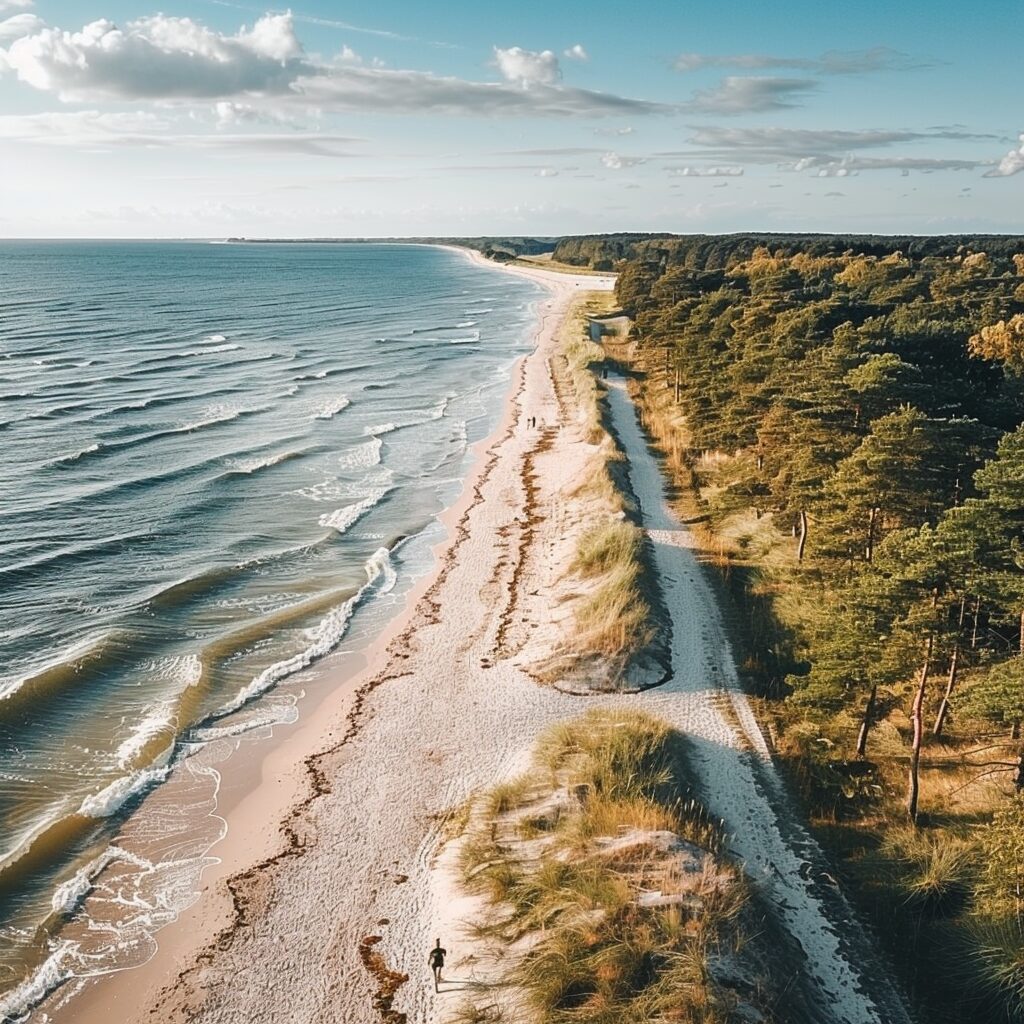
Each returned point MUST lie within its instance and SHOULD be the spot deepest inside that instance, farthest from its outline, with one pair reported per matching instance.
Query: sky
(377, 118)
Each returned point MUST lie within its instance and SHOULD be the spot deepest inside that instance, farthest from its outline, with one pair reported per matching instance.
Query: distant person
(436, 961)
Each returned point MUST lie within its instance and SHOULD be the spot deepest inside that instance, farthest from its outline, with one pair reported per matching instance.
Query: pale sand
(441, 715)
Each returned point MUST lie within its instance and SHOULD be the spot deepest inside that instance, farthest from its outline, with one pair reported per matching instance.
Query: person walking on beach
(436, 961)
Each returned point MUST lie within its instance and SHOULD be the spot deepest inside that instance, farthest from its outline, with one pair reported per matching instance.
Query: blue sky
(125, 118)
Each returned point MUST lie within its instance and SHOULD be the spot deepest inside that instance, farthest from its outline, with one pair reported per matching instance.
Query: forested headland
(844, 417)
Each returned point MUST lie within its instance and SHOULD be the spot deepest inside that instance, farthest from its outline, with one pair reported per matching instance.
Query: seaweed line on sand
(244, 886)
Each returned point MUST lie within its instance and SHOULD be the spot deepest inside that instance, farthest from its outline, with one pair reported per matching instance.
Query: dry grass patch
(616, 892)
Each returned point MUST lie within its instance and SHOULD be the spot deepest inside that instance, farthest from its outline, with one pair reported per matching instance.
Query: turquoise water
(214, 459)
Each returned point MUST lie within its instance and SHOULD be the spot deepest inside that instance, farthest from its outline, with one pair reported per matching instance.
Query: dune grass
(609, 819)
(613, 616)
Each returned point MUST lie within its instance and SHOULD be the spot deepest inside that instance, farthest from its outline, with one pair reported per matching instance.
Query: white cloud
(6, 6)
(230, 112)
(527, 67)
(801, 149)
(159, 58)
(855, 164)
(376, 90)
(834, 62)
(19, 25)
(576, 52)
(1012, 163)
(617, 162)
(803, 140)
(177, 60)
(750, 95)
(705, 172)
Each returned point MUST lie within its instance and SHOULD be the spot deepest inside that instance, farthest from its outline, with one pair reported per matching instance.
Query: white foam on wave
(329, 489)
(66, 460)
(381, 428)
(9, 687)
(210, 350)
(183, 670)
(416, 420)
(362, 455)
(256, 463)
(50, 975)
(333, 407)
(325, 636)
(68, 895)
(217, 414)
(467, 323)
(159, 719)
(112, 798)
(214, 339)
(261, 718)
(343, 518)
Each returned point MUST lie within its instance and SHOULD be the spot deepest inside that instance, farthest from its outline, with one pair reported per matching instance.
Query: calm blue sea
(213, 459)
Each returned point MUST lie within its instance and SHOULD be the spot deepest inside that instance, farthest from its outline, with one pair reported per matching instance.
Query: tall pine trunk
(802, 543)
(869, 552)
(917, 718)
(867, 720)
(954, 659)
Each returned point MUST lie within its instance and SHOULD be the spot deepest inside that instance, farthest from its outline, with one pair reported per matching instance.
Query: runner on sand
(436, 961)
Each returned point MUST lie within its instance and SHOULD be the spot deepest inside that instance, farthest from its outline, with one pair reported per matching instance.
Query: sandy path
(735, 775)
(447, 719)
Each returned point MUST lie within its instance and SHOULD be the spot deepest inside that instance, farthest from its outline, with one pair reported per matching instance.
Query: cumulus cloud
(177, 60)
(750, 95)
(576, 52)
(527, 67)
(1012, 163)
(834, 62)
(618, 162)
(19, 25)
(159, 58)
(6, 6)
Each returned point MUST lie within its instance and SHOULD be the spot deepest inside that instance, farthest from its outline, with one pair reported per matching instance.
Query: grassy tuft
(624, 826)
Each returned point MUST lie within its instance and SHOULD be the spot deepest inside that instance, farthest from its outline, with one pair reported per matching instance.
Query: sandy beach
(328, 893)
(262, 796)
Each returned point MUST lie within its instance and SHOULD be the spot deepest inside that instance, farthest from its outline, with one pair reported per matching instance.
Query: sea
(221, 465)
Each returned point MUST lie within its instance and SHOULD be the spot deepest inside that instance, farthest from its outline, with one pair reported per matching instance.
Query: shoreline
(267, 789)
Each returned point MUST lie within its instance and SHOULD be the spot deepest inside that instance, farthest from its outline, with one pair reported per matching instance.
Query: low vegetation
(843, 419)
(607, 883)
(616, 639)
